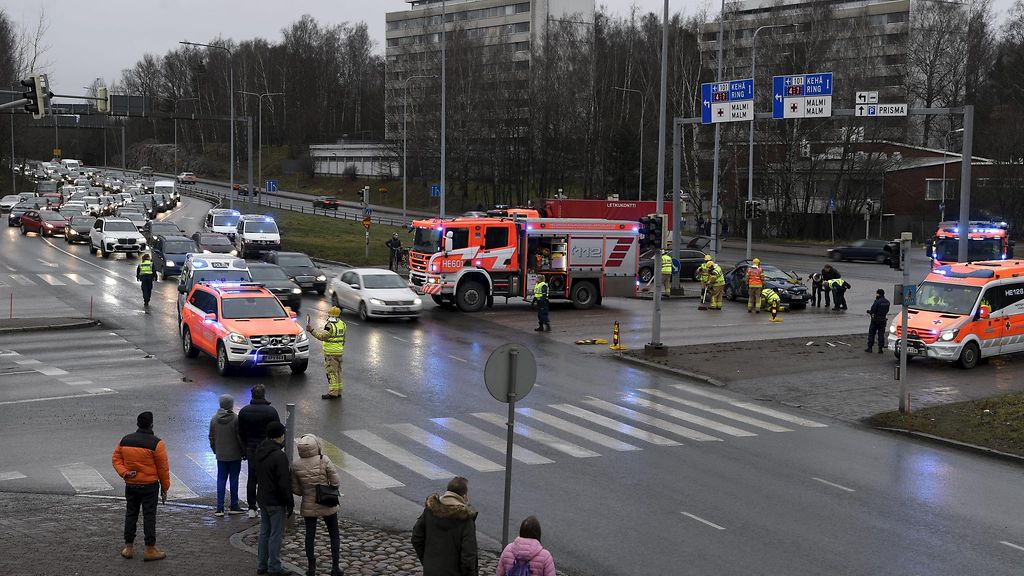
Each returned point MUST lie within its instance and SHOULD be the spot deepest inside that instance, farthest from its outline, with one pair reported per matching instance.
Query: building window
(894, 18)
(392, 42)
(521, 47)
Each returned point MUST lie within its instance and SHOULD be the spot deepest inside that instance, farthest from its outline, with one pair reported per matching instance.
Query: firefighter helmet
(334, 312)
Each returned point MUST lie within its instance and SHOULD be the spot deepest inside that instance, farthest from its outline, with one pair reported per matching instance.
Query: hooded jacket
(445, 537)
(224, 441)
(540, 561)
(312, 468)
(273, 481)
(253, 420)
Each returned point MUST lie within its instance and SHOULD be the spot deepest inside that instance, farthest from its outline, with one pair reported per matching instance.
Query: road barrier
(615, 338)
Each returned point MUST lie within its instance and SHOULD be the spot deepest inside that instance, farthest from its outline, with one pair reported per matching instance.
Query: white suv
(255, 234)
(116, 235)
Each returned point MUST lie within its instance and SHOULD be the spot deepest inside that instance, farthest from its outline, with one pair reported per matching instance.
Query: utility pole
(905, 239)
(965, 183)
(124, 149)
(248, 140)
(444, 86)
(259, 139)
(718, 139)
(14, 177)
(655, 343)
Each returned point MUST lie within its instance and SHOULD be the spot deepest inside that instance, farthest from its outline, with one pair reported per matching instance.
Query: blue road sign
(367, 212)
(271, 186)
(831, 204)
(942, 206)
(727, 101)
(798, 86)
(435, 190)
(910, 294)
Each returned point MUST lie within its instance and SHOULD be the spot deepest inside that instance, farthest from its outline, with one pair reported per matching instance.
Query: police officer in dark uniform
(879, 310)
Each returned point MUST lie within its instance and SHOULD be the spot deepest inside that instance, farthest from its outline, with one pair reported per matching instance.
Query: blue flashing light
(956, 230)
(1003, 257)
(199, 264)
(529, 226)
(636, 228)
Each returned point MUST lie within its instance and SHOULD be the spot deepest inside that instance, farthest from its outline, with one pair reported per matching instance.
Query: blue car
(169, 254)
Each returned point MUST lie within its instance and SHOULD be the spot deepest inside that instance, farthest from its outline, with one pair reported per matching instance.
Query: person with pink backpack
(525, 556)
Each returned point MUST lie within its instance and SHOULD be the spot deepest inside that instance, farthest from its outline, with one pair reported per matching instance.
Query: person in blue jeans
(274, 496)
(226, 445)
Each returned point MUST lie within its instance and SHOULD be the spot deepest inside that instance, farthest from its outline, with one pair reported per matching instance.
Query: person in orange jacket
(755, 283)
(141, 459)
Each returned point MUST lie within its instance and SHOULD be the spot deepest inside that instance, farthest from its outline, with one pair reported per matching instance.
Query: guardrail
(221, 198)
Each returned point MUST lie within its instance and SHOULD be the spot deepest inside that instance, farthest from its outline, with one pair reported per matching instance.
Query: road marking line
(398, 455)
(453, 451)
(652, 421)
(719, 411)
(11, 476)
(84, 478)
(401, 339)
(399, 394)
(571, 428)
(77, 381)
(104, 392)
(22, 280)
(749, 406)
(78, 279)
(832, 484)
(543, 437)
(51, 371)
(687, 417)
(179, 491)
(207, 461)
(1011, 545)
(45, 263)
(18, 372)
(373, 478)
(459, 359)
(51, 280)
(27, 362)
(491, 441)
(93, 264)
(702, 521)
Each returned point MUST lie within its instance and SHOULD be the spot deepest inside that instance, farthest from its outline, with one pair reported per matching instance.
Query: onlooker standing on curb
(311, 470)
(141, 459)
(879, 310)
(527, 551)
(274, 494)
(226, 445)
(252, 430)
(445, 533)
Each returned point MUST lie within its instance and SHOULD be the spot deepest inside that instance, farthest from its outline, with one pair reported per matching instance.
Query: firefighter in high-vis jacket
(755, 283)
(666, 274)
(333, 337)
(540, 300)
(716, 284)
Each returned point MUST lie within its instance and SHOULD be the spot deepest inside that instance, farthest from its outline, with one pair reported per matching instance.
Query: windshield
(46, 215)
(948, 298)
(383, 281)
(82, 220)
(215, 241)
(261, 227)
(11, 198)
(131, 215)
(259, 307)
(90, 200)
(165, 229)
(267, 273)
(427, 240)
(294, 260)
(947, 249)
(221, 276)
(773, 273)
(118, 226)
(179, 247)
(229, 220)
(164, 189)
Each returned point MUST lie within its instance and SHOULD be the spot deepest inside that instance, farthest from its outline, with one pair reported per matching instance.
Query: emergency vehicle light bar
(949, 272)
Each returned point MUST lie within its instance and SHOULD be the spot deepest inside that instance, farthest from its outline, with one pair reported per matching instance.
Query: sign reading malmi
(802, 96)
(728, 101)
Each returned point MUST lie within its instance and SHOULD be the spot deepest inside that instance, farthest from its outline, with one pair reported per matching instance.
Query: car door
(159, 260)
(96, 234)
(1012, 315)
(28, 220)
(345, 291)
(739, 281)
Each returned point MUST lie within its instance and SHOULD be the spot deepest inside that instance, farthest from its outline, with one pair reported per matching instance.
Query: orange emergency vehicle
(965, 312)
(469, 261)
(986, 241)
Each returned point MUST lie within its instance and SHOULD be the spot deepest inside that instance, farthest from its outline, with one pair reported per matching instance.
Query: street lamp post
(176, 100)
(259, 138)
(231, 97)
(643, 104)
(405, 120)
(750, 149)
(655, 343)
(945, 151)
(444, 16)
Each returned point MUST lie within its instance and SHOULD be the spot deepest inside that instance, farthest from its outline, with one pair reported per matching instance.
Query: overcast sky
(99, 38)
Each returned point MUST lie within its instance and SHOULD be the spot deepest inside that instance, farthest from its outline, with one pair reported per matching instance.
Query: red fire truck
(986, 241)
(609, 209)
(469, 261)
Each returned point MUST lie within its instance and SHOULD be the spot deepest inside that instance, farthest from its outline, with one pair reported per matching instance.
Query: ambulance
(966, 312)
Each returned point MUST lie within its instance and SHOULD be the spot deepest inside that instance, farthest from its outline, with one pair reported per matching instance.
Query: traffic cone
(615, 338)
(774, 309)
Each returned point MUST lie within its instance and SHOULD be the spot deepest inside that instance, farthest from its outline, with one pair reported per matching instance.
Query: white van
(256, 233)
(72, 165)
(167, 187)
(223, 221)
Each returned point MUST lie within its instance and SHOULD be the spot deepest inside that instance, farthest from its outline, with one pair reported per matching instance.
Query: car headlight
(321, 278)
(302, 337)
(206, 251)
(73, 232)
(237, 338)
(170, 264)
(296, 291)
(234, 252)
(892, 329)
(376, 302)
(948, 335)
(48, 225)
(417, 301)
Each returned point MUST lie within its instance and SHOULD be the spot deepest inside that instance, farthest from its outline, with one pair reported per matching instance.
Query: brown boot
(128, 551)
(152, 553)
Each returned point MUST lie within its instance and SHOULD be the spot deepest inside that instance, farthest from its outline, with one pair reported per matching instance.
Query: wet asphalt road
(629, 473)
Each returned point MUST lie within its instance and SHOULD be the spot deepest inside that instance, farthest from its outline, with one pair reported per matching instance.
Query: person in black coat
(274, 496)
(252, 430)
(445, 533)
(878, 312)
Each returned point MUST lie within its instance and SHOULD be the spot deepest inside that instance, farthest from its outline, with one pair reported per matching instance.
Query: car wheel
(363, 314)
(322, 291)
(470, 296)
(24, 231)
(696, 275)
(223, 366)
(836, 257)
(584, 295)
(730, 294)
(646, 274)
(299, 366)
(186, 344)
(969, 356)
(104, 253)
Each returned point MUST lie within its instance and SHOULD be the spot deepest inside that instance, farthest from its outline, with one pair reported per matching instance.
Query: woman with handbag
(315, 478)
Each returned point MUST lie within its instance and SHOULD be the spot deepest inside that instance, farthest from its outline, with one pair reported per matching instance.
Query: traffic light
(651, 232)
(103, 102)
(748, 210)
(38, 90)
(892, 251)
(645, 237)
(758, 212)
(870, 206)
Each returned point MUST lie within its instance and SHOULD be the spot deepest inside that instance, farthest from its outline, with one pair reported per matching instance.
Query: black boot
(539, 328)
(337, 571)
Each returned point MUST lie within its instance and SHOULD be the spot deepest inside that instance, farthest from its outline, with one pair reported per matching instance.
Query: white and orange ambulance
(965, 312)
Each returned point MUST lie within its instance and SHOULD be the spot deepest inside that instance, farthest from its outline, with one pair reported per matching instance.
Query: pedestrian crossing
(12, 280)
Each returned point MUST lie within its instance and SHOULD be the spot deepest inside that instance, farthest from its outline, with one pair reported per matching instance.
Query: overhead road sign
(876, 110)
(728, 101)
(802, 96)
(869, 97)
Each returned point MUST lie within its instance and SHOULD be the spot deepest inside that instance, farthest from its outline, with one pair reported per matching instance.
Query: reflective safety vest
(146, 268)
(770, 296)
(755, 277)
(334, 341)
(666, 264)
(540, 291)
(715, 276)
(835, 283)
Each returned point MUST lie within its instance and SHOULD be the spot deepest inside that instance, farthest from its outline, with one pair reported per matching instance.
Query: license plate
(274, 358)
(401, 308)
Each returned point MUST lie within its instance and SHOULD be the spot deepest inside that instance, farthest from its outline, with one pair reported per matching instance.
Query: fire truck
(466, 262)
(986, 241)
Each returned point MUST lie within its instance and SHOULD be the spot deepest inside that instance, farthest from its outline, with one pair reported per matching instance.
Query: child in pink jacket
(527, 548)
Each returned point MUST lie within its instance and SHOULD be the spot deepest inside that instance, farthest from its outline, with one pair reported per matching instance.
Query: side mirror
(983, 312)
(210, 318)
(291, 313)
(354, 286)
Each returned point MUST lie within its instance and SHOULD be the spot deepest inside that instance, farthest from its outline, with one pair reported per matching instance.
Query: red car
(42, 222)
(53, 201)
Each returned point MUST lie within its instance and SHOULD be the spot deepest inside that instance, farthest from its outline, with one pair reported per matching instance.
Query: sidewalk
(44, 323)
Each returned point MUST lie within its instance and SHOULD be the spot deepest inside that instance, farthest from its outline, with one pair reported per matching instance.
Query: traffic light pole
(655, 343)
(905, 239)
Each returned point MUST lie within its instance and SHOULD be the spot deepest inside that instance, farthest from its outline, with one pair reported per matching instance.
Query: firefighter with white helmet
(333, 337)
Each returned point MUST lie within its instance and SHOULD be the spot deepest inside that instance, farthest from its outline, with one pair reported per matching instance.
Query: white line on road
(27, 362)
(615, 425)
(464, 361)
(84, 478)
(702, 521)
(832, 484)
(543, 437)
(453, 451)
(398, 455)
(401, 339)
(571, 428)
(51, 371)
(22, 280)
(718, 411)
(399, 394)
(105, 392)
(93, 264)
(78, 279)
(700, 391)
(1011, 545)
(45, 263)
(373, 478)
(11, 476)
(652, 421)
(687, 417)
(179, 491)
(491, 441)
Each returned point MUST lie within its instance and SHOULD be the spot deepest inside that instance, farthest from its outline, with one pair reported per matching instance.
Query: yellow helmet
(334, 312)
(707, 257)
(757, 261)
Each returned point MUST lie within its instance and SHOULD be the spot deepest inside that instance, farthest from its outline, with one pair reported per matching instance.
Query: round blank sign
(498, 373)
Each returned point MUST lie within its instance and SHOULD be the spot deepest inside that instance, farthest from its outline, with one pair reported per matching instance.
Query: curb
(332, 262)
(237, 541)
(953, 443)
(676, 371)
(63, 326)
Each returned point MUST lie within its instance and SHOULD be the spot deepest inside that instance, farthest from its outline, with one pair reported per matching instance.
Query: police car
(209, 268)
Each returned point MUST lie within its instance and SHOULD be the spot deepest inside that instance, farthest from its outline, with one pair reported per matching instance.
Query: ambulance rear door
(1009, 298)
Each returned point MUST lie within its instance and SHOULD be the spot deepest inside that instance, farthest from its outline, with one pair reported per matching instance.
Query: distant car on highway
(327, 203)
(14, 217)
(243, 189)
(146, 172)
(300, 269)
(214, 243)
(375, 293)
(78, 228)
(788, 285)
(155, 228)
(42, 222)
(8, 202)
(113, 234)
(873, 250)
(187, 178)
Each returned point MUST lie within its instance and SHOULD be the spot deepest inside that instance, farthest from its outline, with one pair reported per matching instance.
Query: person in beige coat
(311, 468)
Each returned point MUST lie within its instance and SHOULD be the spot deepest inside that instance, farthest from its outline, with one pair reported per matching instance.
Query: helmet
(757, 261)
(334, 312)
(707, 257)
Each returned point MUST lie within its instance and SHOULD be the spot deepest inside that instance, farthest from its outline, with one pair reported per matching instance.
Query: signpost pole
(904, 265)
(513, 358)
(965, 182)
